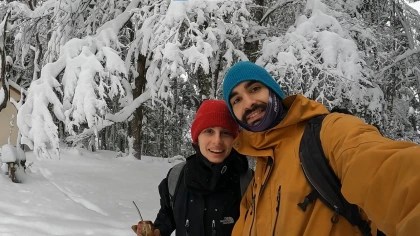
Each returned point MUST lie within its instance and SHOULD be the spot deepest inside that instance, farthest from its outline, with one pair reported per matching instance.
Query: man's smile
(255, 114)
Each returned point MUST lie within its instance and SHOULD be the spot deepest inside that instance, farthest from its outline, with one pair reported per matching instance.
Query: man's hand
(145, 228)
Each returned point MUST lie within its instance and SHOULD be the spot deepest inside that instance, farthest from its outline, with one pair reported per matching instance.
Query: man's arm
(380, 175)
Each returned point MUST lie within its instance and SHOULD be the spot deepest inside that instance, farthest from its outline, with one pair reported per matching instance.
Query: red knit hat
(213, 113)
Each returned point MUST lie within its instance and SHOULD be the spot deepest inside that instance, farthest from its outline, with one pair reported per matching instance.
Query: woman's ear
(196, 147)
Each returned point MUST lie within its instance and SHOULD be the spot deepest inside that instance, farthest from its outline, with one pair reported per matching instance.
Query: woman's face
(215, 144)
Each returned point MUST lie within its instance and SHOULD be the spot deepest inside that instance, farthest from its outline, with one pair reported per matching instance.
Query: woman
(208, 193)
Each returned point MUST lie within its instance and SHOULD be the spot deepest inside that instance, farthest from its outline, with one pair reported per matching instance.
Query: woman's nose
(217, 138)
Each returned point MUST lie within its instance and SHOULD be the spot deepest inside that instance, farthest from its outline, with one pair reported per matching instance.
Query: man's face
(249, 101)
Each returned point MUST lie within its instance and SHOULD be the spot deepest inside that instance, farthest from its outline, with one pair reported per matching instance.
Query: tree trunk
(176, 130)
(203, 82)
(251, 48)
(216, 75)
(162, 135)
(3, 66)
(136, 122)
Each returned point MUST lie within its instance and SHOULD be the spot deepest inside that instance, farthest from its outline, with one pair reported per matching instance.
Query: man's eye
(235, 100)
(255, 89)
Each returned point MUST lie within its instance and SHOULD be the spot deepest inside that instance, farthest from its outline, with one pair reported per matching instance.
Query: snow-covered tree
(197, 39)
(318, 58)
(359, 54)
(84, 84)
(78, 86)
(390, 40)
(182, 37)
(103, 72)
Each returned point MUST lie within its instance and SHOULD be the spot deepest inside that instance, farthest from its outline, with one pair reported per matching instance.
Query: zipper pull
(308, 199)
(278, 199)
(187, 227)
(213, 228)
(336, 216)
(253, 203)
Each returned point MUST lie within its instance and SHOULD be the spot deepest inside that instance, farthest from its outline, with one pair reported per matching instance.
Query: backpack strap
(325, 184)
(244, 180)
(173, 177)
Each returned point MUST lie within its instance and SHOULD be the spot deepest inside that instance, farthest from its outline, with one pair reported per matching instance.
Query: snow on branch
(318, 58)
(88, 73)
(126, 112)
(279, 4)
(398, 59)
(179, 37)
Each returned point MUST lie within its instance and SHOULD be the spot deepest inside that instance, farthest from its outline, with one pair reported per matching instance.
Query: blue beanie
(246, 71)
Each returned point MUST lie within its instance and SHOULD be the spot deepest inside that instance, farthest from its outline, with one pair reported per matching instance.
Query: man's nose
(248, 101)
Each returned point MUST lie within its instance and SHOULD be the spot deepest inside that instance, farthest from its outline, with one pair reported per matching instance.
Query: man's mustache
(254, 107)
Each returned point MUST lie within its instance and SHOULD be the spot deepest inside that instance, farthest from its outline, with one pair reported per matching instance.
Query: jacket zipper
(253, 211)
(266, 176)
(252, 193)
(277, 210)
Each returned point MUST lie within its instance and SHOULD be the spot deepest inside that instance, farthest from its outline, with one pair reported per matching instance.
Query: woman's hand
(145, 228)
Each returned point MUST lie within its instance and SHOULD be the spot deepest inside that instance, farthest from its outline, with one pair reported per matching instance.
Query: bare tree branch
(279, 4)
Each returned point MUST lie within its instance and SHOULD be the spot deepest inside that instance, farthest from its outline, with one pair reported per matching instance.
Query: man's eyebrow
(247, 85)
(250, 83)
(232, 94)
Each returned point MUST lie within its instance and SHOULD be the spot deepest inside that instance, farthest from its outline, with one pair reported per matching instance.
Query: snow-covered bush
(13, 162)
(9, 153)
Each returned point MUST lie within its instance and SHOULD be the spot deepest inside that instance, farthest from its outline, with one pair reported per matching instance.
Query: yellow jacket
(380, 175)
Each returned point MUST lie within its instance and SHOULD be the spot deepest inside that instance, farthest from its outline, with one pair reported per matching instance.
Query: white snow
(415, 5)
(8, 153)
(83, 193)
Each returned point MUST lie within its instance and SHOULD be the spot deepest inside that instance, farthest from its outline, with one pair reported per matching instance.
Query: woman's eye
(226, 133)
(208, 131)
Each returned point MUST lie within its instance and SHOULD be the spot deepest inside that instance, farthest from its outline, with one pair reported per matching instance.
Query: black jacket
(207, 199)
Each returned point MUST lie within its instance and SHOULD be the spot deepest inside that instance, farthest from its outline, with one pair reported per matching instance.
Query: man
(379, 175)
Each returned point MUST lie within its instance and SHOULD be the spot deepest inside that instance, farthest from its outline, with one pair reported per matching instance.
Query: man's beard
(273, 113)
(254, 107)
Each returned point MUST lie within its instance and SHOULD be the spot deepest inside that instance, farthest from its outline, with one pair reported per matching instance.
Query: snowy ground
(83, 193)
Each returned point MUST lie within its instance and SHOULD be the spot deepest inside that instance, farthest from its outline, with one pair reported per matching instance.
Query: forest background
(128, 75)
